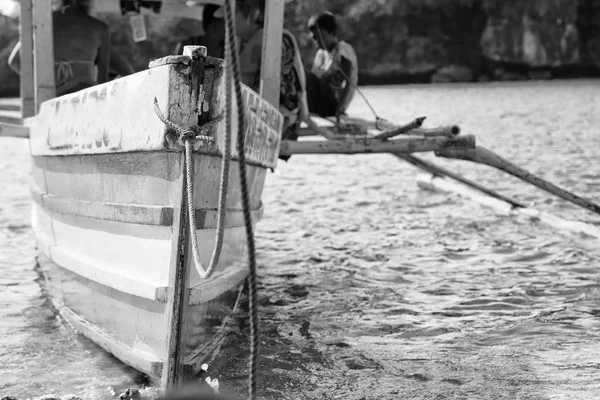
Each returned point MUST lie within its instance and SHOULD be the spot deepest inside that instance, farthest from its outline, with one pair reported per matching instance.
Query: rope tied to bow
(194, 133)
(187, 137)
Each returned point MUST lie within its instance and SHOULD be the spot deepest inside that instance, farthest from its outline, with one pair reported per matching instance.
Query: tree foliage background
(397, 39)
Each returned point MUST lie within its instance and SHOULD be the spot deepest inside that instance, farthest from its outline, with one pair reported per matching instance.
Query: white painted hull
(108, 188)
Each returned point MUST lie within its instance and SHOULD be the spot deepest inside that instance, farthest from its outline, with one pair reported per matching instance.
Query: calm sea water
(369, 287)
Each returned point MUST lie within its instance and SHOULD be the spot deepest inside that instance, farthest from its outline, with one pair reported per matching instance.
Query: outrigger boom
(356, 135)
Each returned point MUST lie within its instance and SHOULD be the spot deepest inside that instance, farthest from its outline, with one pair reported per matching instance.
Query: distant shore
(366, 79)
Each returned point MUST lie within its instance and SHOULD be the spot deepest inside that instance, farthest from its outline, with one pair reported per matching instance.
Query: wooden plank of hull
(134, 258)
(127, 326)
(134, 213)
(176, 296)
(140, 178)
(131, 178)
(133, 328)
(206, 327)
(104, 118)
(118, 246)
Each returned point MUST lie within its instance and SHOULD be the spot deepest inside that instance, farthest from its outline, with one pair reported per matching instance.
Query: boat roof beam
(270, 71)
(43, 52)
(26, 59)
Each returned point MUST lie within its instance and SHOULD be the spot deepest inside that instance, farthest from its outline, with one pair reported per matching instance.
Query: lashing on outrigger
(349, 135)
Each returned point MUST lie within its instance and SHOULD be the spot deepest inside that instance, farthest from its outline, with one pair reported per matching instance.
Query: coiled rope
(188, 137)
(233, 63)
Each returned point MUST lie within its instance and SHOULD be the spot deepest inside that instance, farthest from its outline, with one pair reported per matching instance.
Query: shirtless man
(213, 38)
(292, 99)
(334, 75)
(81, 43)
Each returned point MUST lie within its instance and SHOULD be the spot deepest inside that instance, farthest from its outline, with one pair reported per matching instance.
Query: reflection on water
(371, 288)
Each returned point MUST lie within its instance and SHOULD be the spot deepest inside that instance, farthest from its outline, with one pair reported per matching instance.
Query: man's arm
(14, 60)
(104, 56)
(119, 64)
(346, 67)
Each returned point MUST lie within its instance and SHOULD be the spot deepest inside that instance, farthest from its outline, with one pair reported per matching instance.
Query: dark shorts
(321, 97)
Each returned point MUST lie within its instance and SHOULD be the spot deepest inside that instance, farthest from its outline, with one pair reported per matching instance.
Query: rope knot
(194, 133)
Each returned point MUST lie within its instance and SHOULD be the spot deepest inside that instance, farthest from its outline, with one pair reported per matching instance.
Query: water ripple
(372, 288)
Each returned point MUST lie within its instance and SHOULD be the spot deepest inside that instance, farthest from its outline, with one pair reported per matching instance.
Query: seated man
(292, 97)
(334, 75)
(119, 66)
(80, 42)
(213, 23)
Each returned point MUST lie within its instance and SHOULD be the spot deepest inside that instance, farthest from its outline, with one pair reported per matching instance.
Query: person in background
(119, 66)
(292, 99)
(213, 39)
(81, 43)
(334, 74)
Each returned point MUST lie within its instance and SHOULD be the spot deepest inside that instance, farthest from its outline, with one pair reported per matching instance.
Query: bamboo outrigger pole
(405, 144)
(484, 156)
(402, 148)
(436, 170)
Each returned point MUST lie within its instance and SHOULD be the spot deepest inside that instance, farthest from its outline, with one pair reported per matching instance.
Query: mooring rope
(188, 136)
(234, 68)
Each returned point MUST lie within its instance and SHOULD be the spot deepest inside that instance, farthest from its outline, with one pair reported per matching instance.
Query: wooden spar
(442, 172)
(448, 131)
(270, 71)
(43, 50)
(484, 156)
(26, 54)
(179, 271)
(412, 128)
(171, 374)
(401, 129)
(406, 144)
(318, 130)
(500, 205)
(12, 130)
(445, 180)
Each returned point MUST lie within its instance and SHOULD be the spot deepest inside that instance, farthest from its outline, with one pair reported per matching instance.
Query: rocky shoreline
(414, 41)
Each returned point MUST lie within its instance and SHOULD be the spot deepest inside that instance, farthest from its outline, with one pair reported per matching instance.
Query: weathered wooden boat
(126, 174)
(124, 259)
